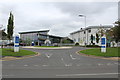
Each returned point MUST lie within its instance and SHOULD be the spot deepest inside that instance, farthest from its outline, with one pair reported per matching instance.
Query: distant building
(39, 37)
(83, 36)
(3, 36)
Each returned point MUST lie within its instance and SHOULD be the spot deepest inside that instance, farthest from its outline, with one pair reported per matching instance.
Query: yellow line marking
(14, 58)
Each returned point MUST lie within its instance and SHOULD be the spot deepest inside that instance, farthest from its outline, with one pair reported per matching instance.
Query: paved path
(60, 63)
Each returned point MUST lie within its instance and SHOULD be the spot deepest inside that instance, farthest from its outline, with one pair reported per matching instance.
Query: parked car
(22, 44)
(55, 44)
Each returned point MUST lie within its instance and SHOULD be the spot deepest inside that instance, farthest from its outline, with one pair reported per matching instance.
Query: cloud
(60, 17)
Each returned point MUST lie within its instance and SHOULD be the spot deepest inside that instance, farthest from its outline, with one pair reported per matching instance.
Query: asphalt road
(62, 63)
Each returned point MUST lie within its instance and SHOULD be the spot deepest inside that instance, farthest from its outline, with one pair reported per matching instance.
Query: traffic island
(46, 47)
(112, 53)
(9, 54)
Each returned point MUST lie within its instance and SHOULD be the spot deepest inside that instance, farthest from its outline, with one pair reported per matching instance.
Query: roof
(34, 31)
(106, 26)
(51, 36)
(89, 27)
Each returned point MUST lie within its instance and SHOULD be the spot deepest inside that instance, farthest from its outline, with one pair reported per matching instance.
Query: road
(60, 63)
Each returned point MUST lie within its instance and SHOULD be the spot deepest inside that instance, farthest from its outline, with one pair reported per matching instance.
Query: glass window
(78, 39)
(94, 38)
(74, 40)
(84, 32)
(89, 30)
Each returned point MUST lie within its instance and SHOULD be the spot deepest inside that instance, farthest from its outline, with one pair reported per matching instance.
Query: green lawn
(111, 52)
(10, 52)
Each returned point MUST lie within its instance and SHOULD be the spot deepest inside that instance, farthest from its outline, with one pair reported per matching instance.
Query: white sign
(16, 43)
(103, 44)
(47, 41)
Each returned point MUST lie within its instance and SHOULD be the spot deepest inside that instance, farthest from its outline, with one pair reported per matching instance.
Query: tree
(97, 38)
(116, 31)
(4, 35)
(92, 39)
(28, 41)
(10, 26)
(101, 32)
(67, 40)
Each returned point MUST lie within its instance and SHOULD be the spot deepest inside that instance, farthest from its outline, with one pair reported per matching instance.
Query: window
(74, 40)
(78, 39)
(94, 38)
(84, 32)
(89, 30)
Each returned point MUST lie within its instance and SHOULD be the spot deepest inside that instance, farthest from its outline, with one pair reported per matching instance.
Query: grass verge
(10, 52)
(111, 52)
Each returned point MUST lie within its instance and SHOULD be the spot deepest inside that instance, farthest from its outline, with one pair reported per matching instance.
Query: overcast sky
(61, 18)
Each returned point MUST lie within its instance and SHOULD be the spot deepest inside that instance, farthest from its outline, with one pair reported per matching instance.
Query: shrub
(76, 44)
(92, 46)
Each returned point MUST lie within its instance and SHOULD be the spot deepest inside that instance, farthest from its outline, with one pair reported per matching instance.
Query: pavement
(8, 58)
(60, 63)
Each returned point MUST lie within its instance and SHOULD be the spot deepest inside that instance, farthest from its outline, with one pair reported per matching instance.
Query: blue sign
(16, 45)
(103, 41)
(16, 39)
(103, 47)
(33, 44)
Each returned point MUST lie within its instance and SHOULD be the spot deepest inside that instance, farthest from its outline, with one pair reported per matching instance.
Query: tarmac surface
(60, 63)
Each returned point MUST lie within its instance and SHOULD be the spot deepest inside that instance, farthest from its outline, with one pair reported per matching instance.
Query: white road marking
(99, 64)
(62, 59)
(44, 65)
(72, 57)
(68, 65)
(88, 74)
(7, 75)
(25, 65)
(109, 64)
(48, 55)
(65, 63)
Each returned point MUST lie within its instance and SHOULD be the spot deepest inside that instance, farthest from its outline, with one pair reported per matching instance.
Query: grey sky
(60, 17)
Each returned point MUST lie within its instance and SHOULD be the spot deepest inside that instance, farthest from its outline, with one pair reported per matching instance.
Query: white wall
(79, 37)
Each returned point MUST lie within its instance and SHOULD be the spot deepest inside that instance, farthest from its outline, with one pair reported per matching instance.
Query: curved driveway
(60, 63)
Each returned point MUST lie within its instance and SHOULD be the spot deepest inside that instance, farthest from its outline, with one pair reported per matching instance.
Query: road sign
(16, 43)
(103, 44)
(33, 43)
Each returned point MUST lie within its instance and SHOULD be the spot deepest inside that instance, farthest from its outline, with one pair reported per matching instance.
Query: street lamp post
(85, 27)
(38, 39)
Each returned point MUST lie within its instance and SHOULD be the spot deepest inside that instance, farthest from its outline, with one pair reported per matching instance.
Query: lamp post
(85, 27)
(38, 39)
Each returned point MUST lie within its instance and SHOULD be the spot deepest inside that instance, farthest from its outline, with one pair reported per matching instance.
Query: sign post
(103, 44)
(16, 43)
(33, 44)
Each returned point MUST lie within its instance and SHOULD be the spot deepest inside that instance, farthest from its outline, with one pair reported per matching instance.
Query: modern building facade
(39, 37)
(83, 36)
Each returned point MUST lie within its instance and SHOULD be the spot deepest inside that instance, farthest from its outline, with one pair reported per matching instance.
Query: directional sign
(16, 43)
(103, 44)
(16, 39)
